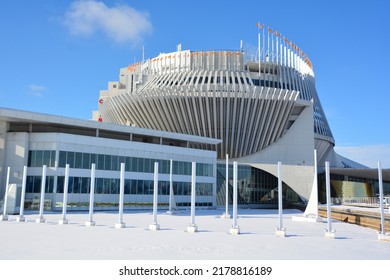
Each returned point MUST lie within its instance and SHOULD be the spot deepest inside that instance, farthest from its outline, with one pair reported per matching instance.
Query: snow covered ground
(257, 241)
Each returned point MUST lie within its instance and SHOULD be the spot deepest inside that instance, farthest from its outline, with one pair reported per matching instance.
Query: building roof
(20, 116)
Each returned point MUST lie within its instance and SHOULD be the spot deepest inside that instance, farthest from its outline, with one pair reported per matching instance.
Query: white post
(41, 219)
(193, 227)
(120, 223)
(329, 233)
(382, 234)
(155, 225)
(235, 230)
(280, 231)
(21, 217)
(381, 197)
(226, 215)
(90, 221)
(5, 217)
(64, 221)
(170, 210)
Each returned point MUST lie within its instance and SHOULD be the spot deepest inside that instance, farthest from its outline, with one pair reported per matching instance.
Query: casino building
(264, 108)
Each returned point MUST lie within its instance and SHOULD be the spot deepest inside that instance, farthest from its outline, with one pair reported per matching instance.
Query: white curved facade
(218, 94)
(264, 109)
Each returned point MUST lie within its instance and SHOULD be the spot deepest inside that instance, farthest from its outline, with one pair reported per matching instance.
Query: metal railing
(372, 202)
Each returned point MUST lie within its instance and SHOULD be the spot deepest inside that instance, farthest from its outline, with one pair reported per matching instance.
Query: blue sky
(56, 55)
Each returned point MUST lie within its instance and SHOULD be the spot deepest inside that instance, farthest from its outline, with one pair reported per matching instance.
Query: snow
(257, 241)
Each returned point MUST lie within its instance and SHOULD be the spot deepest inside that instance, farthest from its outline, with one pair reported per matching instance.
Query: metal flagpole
(381, 197)
(329, 233)
(280, 231)
(382, 236)
(155, 225)
(235, 230)
(5, 217)
(120, 223)
(90, 221)
(193, 227)
(41, 219)
(21, 217)
(226, 214)
(65, 198)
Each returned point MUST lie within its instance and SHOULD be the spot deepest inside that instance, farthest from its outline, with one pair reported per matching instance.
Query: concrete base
(306, 219)
(280, 233)
(154, 227)
(90, 224)
(192, 228)
(330, 235)
(63, 222)
(40, 220)
(20, 219)
(4, 218)
(173, 212)
(120, 225)
(226, 216)
(383, 237)
(235, 231)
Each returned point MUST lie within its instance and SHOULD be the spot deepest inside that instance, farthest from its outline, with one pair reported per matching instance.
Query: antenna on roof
(179, 47)
(241, 45)
(143, 53)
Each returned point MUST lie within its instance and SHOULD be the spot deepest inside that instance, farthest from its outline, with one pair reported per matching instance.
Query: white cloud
(121, 23)
(37, 90)
(367, 155)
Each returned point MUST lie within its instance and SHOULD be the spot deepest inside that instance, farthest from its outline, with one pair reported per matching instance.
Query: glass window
(99, 185)
(38, 159)
(140, 166)
(29, 184)
(85, 185)
(114, 163)
(37, 184)
(107, 162)
(100, 163)
(78, 160)
(127, 186)
(140, 187)
(106, 185)
(134, 164)
(30, 154)
(128, 164)
(133, 186)
(86, 161)
(46, 158)
(60, 184)
(62, 159)
(70, 159)
(175, 167)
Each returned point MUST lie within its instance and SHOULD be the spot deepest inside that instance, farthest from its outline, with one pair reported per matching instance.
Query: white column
(329, 232)
(4, 217)
(21, 217)
(381, 198)
(382, 236)
(235, 228)
(155, 225)
(41, 219)
(193, 227)
(120, 223)
(280, 231)
(226, 214)
(170, 210)
(90, 221)
(63, 220)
